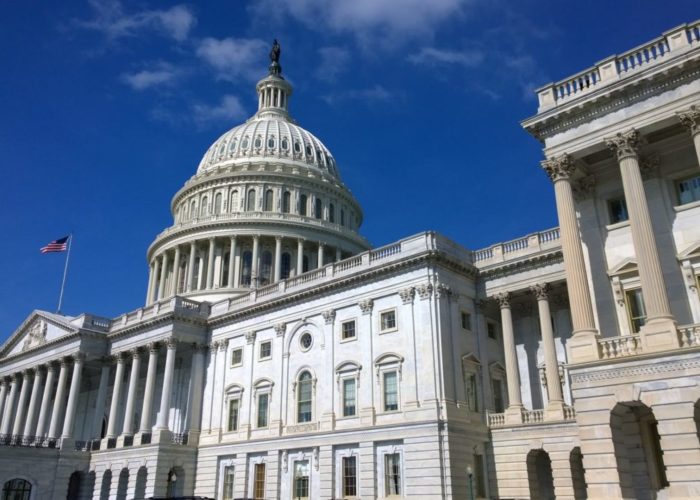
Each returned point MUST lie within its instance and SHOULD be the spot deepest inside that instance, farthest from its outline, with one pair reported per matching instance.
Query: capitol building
(279, 356)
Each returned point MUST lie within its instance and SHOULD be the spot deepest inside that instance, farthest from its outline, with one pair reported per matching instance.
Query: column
(128, 428)
(176, 270)
(116, 393)
(22, 403)
(73, 395)
(162, 423)
(163, 276)
(551, 365)
(10, 405)
(626, 145)
(515, 403)
(194, 405)
(691, 119)
(210, 264)
(151, 283)
(201, 277)
(559, 171)
(59, 401)
(300, 257)
(321, 248)
(190, 267)
(3, 397)
(156, 274)
(46, 400)
(278, 258)
(150, 388)
(254, 265)
(101, 399)
(231, 263)
(34, 401)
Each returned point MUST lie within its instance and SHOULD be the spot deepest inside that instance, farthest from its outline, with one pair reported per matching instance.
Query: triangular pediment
(39, 328)
(628, 265)
(692, 250)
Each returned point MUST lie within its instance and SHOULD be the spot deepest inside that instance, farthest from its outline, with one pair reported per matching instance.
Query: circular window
(306, 340)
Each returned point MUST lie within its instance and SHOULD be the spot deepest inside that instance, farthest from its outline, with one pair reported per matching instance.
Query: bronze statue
(275, 52)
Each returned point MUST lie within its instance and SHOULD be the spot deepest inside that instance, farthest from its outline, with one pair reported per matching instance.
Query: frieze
(634, 371)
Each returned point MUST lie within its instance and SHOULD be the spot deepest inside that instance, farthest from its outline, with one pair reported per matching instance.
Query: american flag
(58, 245)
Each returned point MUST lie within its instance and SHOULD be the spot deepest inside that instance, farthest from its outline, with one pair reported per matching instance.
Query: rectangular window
(301, 479)
(236, 357)
(387, 320)
(618, 210)
(263, 400)
(348, 330)
(234, 406)
(466, 320)
(472, 393)
(498, 405)
(349, 396)
(635, 309)
(265, 350)
(688, 190)
(349, 476)
(391, 391)
(228, 482)
(492, 331)
(259, 482)
(392, 474)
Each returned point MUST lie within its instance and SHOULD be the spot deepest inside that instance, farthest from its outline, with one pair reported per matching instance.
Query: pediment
(693, 250)
(628, 265)
(39, 328)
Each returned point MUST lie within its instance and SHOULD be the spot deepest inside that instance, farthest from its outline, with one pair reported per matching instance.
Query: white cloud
(234, 58)
(433, 56)
(111, 19)
(376, 93)
(160, 74)
(334, 61)
(229, 109)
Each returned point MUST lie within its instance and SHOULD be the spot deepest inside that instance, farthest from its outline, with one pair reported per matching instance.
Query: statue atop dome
(275, 52)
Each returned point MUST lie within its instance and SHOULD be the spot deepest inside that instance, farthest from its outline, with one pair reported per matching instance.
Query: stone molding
(424, 291)
(366, 306)
(624, 144)
(250, 337)
(280, 329)
(329, 316)
(407, 294)
(634, 371)
(503, 299)
(540, 291)
(691, 119)
(559, 168)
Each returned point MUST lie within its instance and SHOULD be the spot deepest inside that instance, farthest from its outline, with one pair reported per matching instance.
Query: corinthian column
(22, 403)
(163, 277)
(691, 119)
(162, 423)
(3, 396)
(176, 270)
(34, 401)
(210, 264)
(10, 405)
(254, 264)
(515, 402)
(321, 248)
(625, 146)
(116, 393)
(551, 365)
(59, 402)
(128, 428)
(278, 258)
(73, 395)
(231, 263)
(46, 400)
(149, 389)
(190, 267)
(300, 257)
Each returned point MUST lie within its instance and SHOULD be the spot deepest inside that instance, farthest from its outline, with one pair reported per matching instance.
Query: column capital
(78, 356)
(559, 167)
(280, 329)
(211, 238)
(171, 343)
(197, 347)
(153, 347)
(65, 361)
(278, 238)
(118, 358)
(366, 306)
(328, 316)
(540, 291)
(503, 299)
(135, 353)
(624, 144)
(691, 119)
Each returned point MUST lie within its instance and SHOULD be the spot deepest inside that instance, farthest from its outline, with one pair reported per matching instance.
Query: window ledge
(687, 206)
(349, 339)
(389, 330)
(617, 225)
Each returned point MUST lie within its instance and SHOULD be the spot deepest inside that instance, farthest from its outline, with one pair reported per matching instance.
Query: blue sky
(106, 108)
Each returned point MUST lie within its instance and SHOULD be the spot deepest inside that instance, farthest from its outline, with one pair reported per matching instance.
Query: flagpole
(65, 272)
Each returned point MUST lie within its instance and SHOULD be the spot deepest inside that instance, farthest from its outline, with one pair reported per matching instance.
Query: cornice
(588, 375)
(171, 317)
(52, 344)
(526, 263)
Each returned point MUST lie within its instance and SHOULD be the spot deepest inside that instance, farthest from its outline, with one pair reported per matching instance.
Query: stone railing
(175, 304)
(528, 417)
(689, 336)
(533, 416)
(615, 68)
(23, 441)
(532, 243)
(496, 419)
(569, 413)
(619, 347)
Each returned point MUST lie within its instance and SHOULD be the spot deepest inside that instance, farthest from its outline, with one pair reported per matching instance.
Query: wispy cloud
(111, 19)
(228, 109)
(377, 93)
(334, 61)
(432, 56)
(160, 74)
(234, 58)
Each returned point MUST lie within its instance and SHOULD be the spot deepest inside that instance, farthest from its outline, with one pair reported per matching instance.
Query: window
(232, 146)
(349, 397)
(301, 479)
(342, 217)
(217, 204)
(237, 357)
(269, 200)
(392, 474)
(228, 482)
(266, 268)
(492, 330)
(472, 391)
(285, 144)
(349, 476)
(304, 397)
(193, 210)
(258, 142)
(245, 143)
(259, 482)
(348, 330)
(688, 190)
(498, 404)
(306, 341)
(297, 147)
(203, 207)
(618, 210)
(233, 201)
(391, 391)
(17, 489)
(635, 309)
(331, 213)
(266, 350)
(250, 204)
(286, 265)
(246, 268)
(286, 202)
(318, 208)
(302, 204)
(263, 406)
(234, 406)
(466, 320)
(387, 321)
(271, 142)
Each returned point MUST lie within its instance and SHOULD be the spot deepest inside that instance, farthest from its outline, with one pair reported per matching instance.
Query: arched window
(224, 271)
(285, 144)
(286, 265)
(258, 142)
(305, 263)
(233, 201)
(244, 144)
(17, 489)
(302, 204)
(318, 208)
(331, 212)
(246, 268)
(250, 204)
(271, 142)
(265, 268)
(269, 198)
(304, 397)
(217, 204)
(232, 146)
(203, 207)
(342, 217)
(193, 210)
(286, 202)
